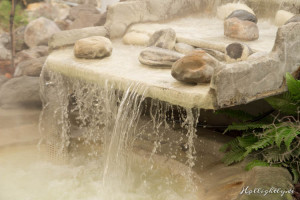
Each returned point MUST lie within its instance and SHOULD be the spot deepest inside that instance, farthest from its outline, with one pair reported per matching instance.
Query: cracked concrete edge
(69, 37)
(243, 82)
(266, 178)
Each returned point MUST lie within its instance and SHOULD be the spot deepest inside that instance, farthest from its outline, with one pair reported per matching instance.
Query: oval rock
(159, 57)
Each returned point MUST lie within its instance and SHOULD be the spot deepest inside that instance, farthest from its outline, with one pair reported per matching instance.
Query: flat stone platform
(123, 68)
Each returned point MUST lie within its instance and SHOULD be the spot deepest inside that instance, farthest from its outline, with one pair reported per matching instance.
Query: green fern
(294, 87)
(256, 163)
(272, 144)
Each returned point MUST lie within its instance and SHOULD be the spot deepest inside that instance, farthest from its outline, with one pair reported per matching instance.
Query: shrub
(19, 19)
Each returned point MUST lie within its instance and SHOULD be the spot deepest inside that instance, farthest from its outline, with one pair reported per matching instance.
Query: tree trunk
(11, 29)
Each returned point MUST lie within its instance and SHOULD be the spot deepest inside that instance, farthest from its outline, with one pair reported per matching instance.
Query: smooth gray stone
(243, 15)
(159, 56)
(184, 48)
(22, 90)
(165, 38)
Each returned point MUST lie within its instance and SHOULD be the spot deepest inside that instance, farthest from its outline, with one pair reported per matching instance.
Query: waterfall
(117, 121)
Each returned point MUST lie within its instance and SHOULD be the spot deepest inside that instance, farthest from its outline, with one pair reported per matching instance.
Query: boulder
(81, 10)
(85, 16)
(225, 10)
(60, 11)
(239, 29)
(63, 24)
(158, 56)
(3, 79)
(93, 47)
(196, 67)
(4, 46)
(19, 39)
(184, 48)
(135, 38)
(243, 15)
(69, 37)
(27, 54)
(282, 17)
(39, 31)
(236, 52)
(32, 67)
(165, 38)
(85, 20)
(22, 90)
(296, 18)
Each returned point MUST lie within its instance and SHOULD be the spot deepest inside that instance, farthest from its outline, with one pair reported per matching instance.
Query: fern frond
(293, 86)
(260, 144)
(289, 139)
(281, 134)
(245, 127)
(283, 104)
(234, 156)
(256, 163)
(247, 140)
(295, 174)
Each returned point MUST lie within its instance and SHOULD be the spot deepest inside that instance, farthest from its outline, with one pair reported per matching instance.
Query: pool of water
(25, 174)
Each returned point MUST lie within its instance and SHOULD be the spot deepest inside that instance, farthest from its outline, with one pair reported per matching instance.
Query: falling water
(115, 123)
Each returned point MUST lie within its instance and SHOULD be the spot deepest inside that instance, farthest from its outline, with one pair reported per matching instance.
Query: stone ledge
(242, 82)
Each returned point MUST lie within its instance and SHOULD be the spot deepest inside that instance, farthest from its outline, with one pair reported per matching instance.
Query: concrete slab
(123, 68)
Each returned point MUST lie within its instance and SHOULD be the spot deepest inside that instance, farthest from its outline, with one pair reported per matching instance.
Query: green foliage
(20, 16)
(271, 144)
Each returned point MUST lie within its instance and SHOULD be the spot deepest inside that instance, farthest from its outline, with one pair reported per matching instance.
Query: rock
(243, 15)
(3, 79)
(102, 20)
(236, 52)
(69, 37)
(135, 38)
(296, 18)
(19, 39)
(239, 29)
(196, 67)
(220, 56)
(93, 47)
(22, 90)
(81, 10)
(282, 17)
(60, 11)
(121, 15)
(39, 31)
(158, 56)
(32, 67)
(27, 54)
(243, 82)
(82, 22)
(4, 46)
(63, 24)
(165, 38)
(225, 10)
(5, 66)
(184, 48)
(258, 55)
(5, 40)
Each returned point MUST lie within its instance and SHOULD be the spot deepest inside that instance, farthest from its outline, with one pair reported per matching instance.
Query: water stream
(113, 125)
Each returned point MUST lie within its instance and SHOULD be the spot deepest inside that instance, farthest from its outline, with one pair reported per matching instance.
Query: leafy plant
(20, 16)
(270, 143)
